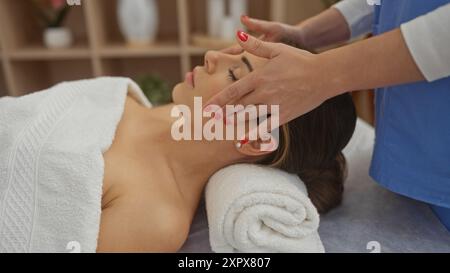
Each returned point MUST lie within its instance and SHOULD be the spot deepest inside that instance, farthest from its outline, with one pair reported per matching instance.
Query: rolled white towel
(258, 209)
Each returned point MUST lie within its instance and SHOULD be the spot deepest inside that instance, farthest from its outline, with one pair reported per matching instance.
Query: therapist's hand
(274, 31)
(294, 79)
(271, 32)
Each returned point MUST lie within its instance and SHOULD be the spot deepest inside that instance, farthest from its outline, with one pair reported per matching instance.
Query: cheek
(211, 88)
(183, 94)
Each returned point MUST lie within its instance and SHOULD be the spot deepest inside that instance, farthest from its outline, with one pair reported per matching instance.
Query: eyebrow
(247, 63)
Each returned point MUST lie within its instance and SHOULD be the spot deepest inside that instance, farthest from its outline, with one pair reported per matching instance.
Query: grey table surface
(369, 214)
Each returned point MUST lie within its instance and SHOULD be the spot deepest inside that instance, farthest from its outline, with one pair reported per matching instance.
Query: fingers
(266, 132)
(245, 114)
(257, 47)
(252, 99)
(233, 50)
(256, 25)
(234, 92)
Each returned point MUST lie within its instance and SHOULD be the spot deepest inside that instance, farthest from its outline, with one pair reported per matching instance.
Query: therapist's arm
(419, 50)
(359, 16)
(428, 40)
(298, 81)
(347, 19)
(328, 28)
(384, 60)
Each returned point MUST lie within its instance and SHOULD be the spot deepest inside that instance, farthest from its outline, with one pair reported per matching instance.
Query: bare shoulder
(136, 223)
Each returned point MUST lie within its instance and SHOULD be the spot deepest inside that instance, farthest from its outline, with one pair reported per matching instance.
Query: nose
(211, 58)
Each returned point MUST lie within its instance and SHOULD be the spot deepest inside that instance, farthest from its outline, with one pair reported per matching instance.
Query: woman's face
(219, 71)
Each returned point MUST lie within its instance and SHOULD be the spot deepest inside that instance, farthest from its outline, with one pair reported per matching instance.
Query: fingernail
(242, 36)
(245, 141)
(245, 17)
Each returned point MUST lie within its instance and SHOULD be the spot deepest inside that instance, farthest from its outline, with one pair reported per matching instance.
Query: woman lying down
(90, 165)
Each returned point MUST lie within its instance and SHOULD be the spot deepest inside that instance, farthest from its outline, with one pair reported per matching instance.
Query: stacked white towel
(51, 163)
(259, 209)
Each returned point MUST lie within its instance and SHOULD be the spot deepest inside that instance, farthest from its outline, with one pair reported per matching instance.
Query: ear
(257, 148)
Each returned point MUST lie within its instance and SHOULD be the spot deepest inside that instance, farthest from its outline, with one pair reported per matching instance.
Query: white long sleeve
(427, 36)
(358, 14)
(428, 39)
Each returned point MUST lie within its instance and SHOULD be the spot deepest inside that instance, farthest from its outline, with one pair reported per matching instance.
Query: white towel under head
(253, 208)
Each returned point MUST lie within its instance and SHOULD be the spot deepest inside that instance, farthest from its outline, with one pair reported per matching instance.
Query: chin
(178, 93)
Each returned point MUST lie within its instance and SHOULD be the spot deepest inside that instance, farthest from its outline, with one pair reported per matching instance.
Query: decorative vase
(58, 37)
(216, 13)
(138, 21)
(219, 24)
(237, 9)
(228, 28)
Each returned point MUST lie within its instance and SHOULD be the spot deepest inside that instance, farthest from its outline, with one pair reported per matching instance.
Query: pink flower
(58, 4)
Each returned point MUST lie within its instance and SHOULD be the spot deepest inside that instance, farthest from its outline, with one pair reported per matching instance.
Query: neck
(190, 163)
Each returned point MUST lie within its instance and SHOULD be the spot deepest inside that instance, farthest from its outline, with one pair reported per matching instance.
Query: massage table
(370, 219)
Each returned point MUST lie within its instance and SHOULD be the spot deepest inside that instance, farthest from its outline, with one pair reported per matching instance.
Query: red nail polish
(242, 36)
(245, 17)
(245, 141)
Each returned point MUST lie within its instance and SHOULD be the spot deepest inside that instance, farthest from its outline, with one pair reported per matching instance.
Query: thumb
(256, 25)
(257, 47)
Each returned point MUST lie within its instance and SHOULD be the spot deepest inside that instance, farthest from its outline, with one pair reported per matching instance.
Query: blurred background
(155, 42)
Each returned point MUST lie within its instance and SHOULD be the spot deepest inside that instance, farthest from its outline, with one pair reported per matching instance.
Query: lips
(189, 79)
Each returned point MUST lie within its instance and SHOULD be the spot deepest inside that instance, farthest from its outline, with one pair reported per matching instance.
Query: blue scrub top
(412, 147)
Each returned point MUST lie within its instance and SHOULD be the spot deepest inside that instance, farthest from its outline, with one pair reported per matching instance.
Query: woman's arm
(325, 29)
(417, 51)
(358, 14)
(299, 82)
(428, 40)
(380, 61)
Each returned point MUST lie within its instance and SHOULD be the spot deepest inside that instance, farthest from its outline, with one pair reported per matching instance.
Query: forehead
(255, 61)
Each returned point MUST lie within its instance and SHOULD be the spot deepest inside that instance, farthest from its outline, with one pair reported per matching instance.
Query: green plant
(51, 12)
(156, 89)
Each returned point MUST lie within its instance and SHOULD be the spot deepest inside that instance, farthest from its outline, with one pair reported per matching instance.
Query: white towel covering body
(51, 163)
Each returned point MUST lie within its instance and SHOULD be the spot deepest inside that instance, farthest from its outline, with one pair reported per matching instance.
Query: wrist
(303, 36)
(335, 80)
(293, 36)
(326, 29)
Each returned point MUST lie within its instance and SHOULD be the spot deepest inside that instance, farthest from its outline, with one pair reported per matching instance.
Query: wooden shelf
(196, 51)
(100, 49)
(42, 53)
(158, 49)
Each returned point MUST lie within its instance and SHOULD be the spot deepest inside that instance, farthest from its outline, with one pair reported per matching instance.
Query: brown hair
(311, 147)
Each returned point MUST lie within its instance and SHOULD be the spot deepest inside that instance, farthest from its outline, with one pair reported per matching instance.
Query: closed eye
(232, 76)
(246, 62)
